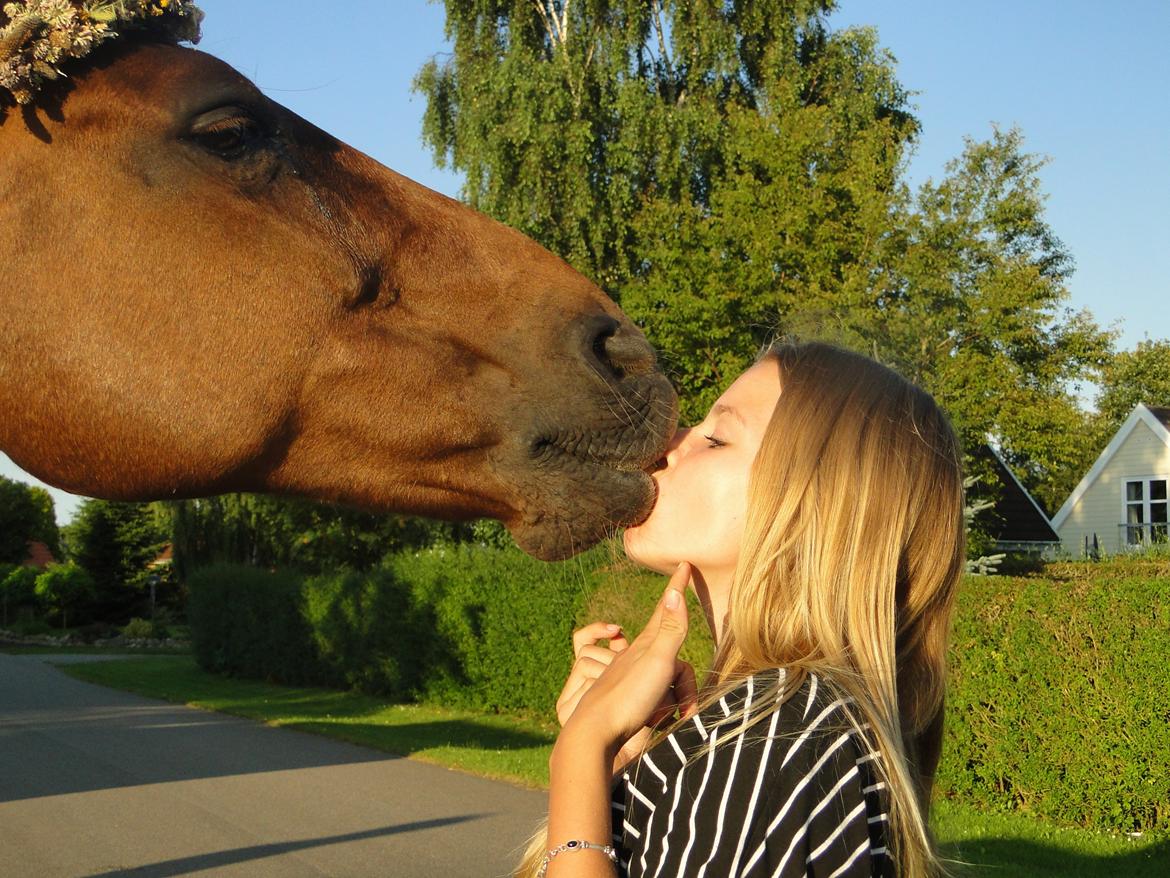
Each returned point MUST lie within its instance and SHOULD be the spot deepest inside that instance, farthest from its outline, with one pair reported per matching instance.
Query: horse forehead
(173, 78)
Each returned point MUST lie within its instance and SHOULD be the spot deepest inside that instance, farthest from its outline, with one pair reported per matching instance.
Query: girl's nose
(674, 449)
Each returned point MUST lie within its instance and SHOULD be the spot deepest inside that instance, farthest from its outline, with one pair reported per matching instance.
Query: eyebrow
(721, 409)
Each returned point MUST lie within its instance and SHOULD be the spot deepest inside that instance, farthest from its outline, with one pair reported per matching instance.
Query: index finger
(592, 633)
(679, 580)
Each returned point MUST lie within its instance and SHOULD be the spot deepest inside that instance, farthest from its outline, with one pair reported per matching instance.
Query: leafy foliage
(486, 651)
(1058, 696)
(247, 622)
(64, 587)
(115, 542)
(139, 629)
(26, 513)
(280, 532)
(1130, 377)
(1057, 702)
(371, 631)
(17, 589)
(452, 624)
(733, 171)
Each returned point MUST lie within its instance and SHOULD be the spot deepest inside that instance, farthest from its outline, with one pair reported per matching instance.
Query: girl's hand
(614, 696)
(591, 660)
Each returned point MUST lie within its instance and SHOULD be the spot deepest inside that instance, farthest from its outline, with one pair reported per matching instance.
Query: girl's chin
(650, 557)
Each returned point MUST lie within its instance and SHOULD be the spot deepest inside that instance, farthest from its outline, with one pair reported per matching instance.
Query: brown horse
(204, 293)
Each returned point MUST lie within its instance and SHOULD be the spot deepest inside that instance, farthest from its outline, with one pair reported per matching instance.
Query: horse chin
(579, 514)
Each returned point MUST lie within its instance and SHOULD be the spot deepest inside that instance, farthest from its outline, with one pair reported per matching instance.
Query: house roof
(1018, 517)
(39, 555)
(1157, 418)
(165, 557)
(1162, 414)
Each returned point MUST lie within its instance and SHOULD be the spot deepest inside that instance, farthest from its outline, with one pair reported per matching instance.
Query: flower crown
(40, 34)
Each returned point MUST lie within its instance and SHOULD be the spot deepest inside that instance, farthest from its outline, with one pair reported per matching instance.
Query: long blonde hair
(850, 558)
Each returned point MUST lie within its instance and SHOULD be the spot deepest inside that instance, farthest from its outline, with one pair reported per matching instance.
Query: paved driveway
(99, 782)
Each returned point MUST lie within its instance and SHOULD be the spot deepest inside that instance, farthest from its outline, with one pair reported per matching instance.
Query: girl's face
(702, 490)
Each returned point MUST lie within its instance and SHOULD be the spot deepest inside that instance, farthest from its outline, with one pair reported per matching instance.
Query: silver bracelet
(575, 845)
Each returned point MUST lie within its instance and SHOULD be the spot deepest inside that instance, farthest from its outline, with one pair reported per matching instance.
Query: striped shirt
(796, 794)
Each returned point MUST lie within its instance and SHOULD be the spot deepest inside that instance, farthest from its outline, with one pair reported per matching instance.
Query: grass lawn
(515, 749)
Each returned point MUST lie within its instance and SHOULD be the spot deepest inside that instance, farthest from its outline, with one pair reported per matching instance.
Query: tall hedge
(248, 622)
(503, 623)
(1059, 699)
(464, 625)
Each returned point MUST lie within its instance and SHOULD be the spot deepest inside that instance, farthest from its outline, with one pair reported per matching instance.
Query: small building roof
(39, 555)
(1017, 518)
(1161, 413)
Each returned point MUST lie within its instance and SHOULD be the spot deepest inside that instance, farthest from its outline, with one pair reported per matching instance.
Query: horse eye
(229, 133)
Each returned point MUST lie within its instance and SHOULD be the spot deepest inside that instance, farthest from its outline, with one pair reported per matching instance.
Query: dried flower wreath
(41, 34)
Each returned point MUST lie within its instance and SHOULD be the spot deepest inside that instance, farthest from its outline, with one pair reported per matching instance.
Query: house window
(1145, 511)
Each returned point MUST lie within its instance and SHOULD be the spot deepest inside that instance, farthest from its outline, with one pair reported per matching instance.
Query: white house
(1121, 503)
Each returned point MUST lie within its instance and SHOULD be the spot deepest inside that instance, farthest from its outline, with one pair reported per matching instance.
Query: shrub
(64, 587)
(138, 629)
(370, 630)
(31, 627)
(502, 623)
(464, 625)
(1059, 701)
(17, 589)
(247, 622)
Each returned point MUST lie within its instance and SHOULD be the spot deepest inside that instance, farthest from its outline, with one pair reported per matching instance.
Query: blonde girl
(817, 513)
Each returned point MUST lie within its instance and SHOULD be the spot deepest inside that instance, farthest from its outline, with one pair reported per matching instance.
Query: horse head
(205, 293)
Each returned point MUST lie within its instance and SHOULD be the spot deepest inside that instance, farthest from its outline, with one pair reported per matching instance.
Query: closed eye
(715, 442)
(231, 133)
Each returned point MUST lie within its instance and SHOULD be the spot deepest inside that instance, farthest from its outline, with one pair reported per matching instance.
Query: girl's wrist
(580, 740)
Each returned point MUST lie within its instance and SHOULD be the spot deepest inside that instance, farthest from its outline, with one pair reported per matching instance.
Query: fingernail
(672, 599)
(613, 629)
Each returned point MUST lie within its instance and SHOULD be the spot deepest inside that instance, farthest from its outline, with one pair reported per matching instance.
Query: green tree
(64, 587)
(17, 588)
(602, 127)
(732, 171)
(970, 300)
(45, 519)
(1131, 377)
(281, 532)
(26, 513)
(114, 542)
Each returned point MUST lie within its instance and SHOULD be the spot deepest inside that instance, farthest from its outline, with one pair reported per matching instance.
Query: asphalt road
(99, 782)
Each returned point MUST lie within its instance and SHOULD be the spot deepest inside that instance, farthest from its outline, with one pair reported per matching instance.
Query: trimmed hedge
(247, 622)
(464, 625)
(503, 624)
(1059, 702)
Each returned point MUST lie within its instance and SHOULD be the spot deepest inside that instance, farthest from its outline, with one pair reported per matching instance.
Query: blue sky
(1087, 83)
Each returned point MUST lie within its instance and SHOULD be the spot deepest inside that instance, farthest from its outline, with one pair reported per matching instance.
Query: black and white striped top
(797, 794)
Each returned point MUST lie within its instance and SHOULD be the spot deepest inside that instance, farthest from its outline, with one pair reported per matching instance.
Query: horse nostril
(601, 354)
(616, 348)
